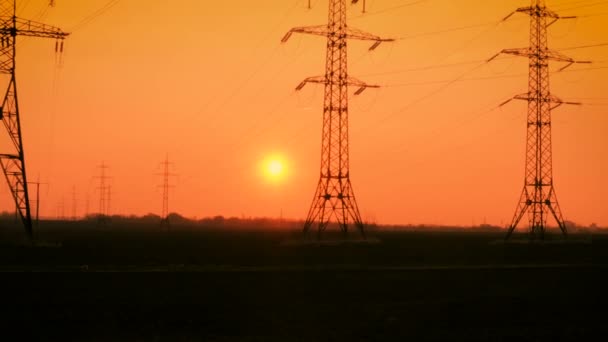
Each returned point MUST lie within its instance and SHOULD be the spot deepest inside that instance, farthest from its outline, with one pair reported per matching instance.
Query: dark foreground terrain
(137, 284)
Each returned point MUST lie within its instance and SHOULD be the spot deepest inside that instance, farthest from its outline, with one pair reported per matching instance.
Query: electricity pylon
(164, 216)
(538, 198)
(104, 193)
(74, 216)
(334, 196)
(13, 160)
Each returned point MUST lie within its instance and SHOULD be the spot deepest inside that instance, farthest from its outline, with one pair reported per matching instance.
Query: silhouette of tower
(109, 201)
(13, 160)
(164, 216)
(37, 184)
(104, 192)
(74, 203)
(538, 199)
(334, 196)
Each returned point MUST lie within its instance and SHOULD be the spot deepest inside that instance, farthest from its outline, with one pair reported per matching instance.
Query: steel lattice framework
(538, 198)
(334, 196)
(12, 158)
(164, 216)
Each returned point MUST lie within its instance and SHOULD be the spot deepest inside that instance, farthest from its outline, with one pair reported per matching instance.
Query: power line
(247, 79)
(94, 15)
(424, 97)
(449, 30)
(390, 9)
(582, 47)
(484, 78)
(599, 3)
(423, 68)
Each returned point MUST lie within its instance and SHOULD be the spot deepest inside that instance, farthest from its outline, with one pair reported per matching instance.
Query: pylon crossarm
(570, 62)
(538, 11)
(358, 83)
(351, 81)
(353, 33)
(523, 52)
(559, 102)
(31, 28)
(314, 79)
(319, 30)
(505, 102)
(548, 54)
(525, 97)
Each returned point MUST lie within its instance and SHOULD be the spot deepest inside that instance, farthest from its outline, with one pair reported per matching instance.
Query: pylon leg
(13, 163)
(334, 197)
(314, 211)
(521, 209)
(556, 212)
(537, 209)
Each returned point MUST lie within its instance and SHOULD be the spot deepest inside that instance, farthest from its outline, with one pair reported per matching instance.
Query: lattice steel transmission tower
(164, 216)
(334, 196)
(104, 193)
(12, 157)
(538, 198)
(74, 203)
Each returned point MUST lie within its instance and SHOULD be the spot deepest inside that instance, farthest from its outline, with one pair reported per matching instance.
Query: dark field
(141, 284)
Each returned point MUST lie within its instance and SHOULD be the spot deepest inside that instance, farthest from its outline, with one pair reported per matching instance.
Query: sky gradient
(210, 84)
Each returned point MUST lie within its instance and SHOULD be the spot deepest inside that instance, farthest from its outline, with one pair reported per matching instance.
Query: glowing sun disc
(275, 167)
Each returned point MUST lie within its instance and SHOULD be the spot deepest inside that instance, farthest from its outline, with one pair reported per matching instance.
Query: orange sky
(209, 83)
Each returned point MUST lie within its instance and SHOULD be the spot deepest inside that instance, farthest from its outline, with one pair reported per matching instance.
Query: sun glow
(274, 168)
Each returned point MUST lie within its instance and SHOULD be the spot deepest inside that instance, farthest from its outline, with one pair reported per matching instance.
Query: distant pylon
(61, 209)
(74, 203)
(37, 184)
(13, 160)
(538, 198)
(334, 196)
(164, 216)
(109, 201)
(104, 192)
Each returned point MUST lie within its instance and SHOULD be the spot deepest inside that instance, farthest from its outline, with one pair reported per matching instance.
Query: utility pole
(37, 184)
(334, 196)
(13, 160)
(538, 198)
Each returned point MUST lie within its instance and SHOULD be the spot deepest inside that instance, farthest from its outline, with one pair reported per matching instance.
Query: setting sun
(274, 168)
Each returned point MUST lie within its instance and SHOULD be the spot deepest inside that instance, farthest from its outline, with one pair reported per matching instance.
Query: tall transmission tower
(164, 216)
(538, 199)
(334, 196)
(13, 160)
